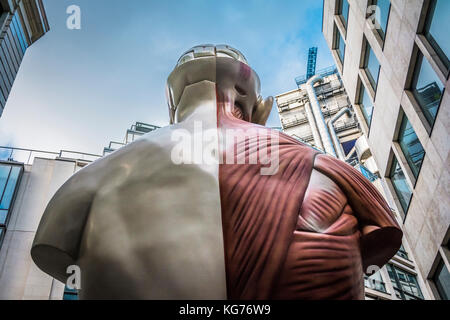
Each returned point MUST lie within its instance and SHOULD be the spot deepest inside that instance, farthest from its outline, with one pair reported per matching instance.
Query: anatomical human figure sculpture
(158, 220)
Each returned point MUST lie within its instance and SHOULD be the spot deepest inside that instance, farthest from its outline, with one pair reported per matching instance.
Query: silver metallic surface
(138, 225)
(362, 148)
(198, 63)
(339, 152)
(320, 121)
(314, 129)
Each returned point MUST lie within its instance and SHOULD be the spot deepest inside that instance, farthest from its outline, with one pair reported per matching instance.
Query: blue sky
(79, 89)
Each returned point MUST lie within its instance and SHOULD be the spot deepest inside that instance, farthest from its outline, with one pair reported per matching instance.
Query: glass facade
(375, 282)
(404, 283)
(427, 89)
(12, 49)
(411, 146)
(442, 281)
(372, 66)
(340, 44)
(366, 105)
(382, 15)
(20, 28)
(70, 294)
(9, 178)
(18, 32)
(401, 187)
(436, 29)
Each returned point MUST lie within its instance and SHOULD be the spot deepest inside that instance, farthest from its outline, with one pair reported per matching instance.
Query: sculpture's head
(237, 85)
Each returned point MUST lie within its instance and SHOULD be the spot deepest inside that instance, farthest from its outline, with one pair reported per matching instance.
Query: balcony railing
(322, 72)
(294, 122)
(27, 156)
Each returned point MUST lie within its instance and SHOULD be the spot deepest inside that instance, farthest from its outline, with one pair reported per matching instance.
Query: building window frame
(375, 284)
(402, 253)
(379, 33)
(392, 268)
(366, 50)
(403, 120)
(442, 260)
(403, 206)
(340, 12)
(362, 91)
(440, 290)
(416, 67)
(424, 30)
(338, 39)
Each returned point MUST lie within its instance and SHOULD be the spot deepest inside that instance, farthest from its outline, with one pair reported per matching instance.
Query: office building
(393, 58)
(22, 22)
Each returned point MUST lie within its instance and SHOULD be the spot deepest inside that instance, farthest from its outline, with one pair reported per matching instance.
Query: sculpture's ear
(262, 110)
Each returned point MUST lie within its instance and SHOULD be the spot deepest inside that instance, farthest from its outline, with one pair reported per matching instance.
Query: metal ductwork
(339, 152)
(312, 123)
(362, 148)
(320, 121)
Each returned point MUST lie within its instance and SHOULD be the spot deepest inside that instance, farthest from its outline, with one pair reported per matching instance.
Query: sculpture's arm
(58, 236)
(381, 235)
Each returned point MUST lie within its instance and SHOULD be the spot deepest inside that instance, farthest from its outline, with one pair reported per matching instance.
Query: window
(427, 89)
(348, 146)
(401, 187)
(339, 44)
(442, 281)
(381, 16)
(375, 282)
(411, 146)
(343, 11)
(371, 66)
(436, 28)
(9, 177)
(70, 294)
(366, 105)
(404, 283)
(402, 253)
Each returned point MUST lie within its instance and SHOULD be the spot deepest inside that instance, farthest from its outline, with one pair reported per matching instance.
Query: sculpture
(154, 220)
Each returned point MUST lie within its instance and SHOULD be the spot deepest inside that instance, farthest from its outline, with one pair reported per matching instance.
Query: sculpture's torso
(141, 226)
(288, 235)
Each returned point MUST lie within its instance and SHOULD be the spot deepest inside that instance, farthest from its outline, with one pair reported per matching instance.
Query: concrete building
(393, 58)
(321, 117)
(28, 180)
(22, 22)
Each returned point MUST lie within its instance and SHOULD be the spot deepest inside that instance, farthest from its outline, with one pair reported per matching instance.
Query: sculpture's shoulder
(57, 240)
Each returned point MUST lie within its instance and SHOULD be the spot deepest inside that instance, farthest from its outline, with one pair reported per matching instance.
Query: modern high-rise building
(22, 22)
(393, 58)
(28, 180)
